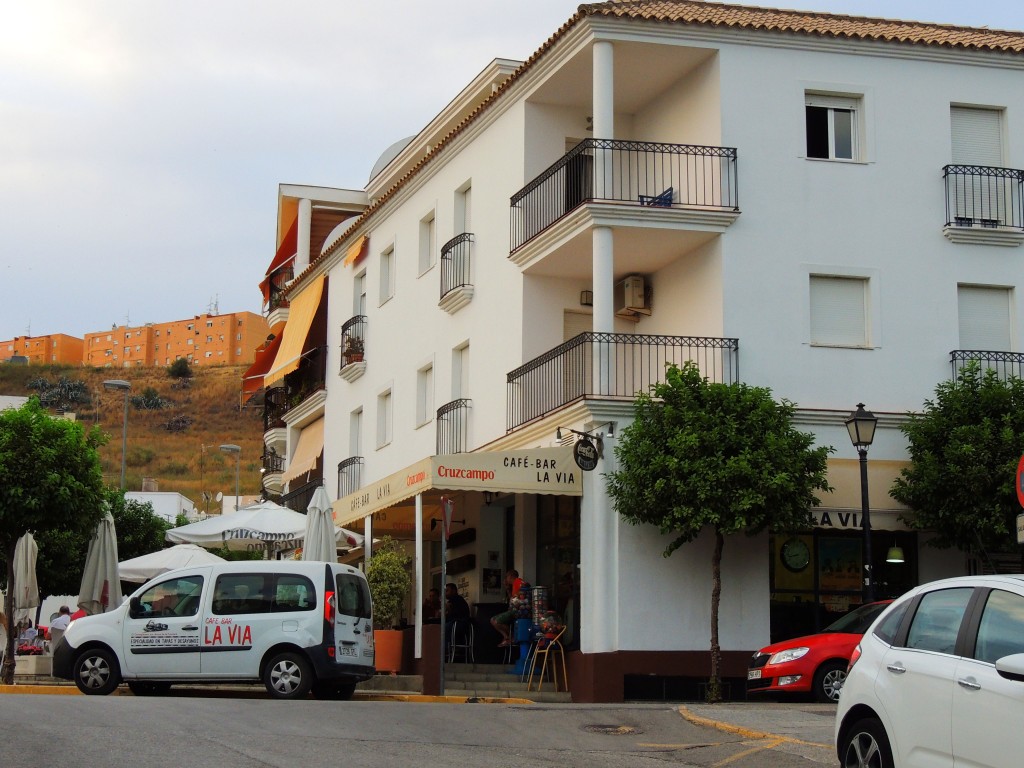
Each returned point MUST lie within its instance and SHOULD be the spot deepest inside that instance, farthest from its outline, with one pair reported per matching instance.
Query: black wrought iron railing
(1006, 364)
(610, 366)
(455, 263)
(984, 196)
(275, 406)
(353, 340)
(640, 172)
(298, 499)
(453, 427)
(350, 475)
(278, 283)
(309, 378)
(272, 462)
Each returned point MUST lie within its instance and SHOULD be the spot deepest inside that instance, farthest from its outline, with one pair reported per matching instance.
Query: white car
(938, 680)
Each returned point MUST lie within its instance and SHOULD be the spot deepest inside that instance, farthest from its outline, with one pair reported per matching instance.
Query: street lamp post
(229, 448)
(120, 385)
(861, 426)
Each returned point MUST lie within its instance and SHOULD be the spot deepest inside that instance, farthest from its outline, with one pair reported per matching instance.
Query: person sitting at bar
(503, 622)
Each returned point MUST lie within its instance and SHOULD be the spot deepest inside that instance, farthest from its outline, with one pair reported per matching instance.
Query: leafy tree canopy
(964, 449)
(388, 577)
(50, 483)
(721, 455)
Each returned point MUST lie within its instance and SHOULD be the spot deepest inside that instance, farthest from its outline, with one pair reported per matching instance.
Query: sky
(142, 142)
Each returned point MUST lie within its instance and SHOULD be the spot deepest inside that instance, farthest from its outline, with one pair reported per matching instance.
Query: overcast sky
(142, 141)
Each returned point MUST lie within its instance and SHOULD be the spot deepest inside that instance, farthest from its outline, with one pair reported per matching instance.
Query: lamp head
(861, 426)
(117, 385)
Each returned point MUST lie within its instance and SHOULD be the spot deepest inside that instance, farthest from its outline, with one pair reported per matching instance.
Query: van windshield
(353, 596)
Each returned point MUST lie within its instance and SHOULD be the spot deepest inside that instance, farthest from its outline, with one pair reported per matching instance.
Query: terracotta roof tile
(809, 23)
(714, 14)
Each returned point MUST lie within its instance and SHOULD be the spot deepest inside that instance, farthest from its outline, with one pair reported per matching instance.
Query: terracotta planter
(387, 645)
(353, 357)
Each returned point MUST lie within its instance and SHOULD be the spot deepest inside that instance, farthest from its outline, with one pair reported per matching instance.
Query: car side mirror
(1011, 667)
(135, 609)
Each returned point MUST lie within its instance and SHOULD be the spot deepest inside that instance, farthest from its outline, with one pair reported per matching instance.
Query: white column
(305, 222)
(418, 571)
(599, 561)
(604, 117)
(367, 539)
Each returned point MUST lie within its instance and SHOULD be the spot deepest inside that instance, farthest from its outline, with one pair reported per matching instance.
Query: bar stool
(549, 647)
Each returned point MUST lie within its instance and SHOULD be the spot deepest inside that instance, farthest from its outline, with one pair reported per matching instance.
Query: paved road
(237, 732)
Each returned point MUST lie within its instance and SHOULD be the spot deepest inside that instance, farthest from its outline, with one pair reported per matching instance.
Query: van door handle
(189, 628)
(897, 668)
(356, 632)
(969, 683)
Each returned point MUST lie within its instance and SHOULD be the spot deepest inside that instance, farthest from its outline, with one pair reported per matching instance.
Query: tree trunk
(714, 693)
(7, 671)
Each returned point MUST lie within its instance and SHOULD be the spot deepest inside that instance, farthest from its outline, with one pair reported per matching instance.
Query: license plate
(753, 674)
(348, 650)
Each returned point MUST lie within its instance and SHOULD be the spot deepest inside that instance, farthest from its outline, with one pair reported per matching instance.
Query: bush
(389, 580)
(150, 400)
(179, 369)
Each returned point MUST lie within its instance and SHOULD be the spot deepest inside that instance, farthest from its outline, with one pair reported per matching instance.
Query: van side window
(353, 596)
(293, 593)
(174, 597)
(238, 593)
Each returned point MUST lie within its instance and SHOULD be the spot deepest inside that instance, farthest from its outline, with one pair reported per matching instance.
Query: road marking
(752, 751)
(748, 732)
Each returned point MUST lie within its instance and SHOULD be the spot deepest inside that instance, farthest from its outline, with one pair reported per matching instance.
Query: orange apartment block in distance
(203, 340)
(54, 348)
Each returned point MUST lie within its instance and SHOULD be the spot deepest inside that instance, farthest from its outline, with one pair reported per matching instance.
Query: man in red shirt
(502, 623)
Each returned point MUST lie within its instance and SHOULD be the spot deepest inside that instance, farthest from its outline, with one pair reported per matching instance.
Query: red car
(814, 664)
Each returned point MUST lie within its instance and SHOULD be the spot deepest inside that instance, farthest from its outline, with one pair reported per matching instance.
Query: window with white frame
(463, 208)
(460, 371)
(384, 418)
(839, 311)
(359, 295)
(833, 126)
(387, 274)
(424, 394)
(984, 318)
(428, 242)
(355, 432)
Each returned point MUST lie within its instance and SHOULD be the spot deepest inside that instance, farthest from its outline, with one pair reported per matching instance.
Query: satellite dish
(219, 496)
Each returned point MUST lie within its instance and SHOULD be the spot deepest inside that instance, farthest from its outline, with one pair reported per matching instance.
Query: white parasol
(26, 587)
(101, 586)
(321, 537)
(145, 567)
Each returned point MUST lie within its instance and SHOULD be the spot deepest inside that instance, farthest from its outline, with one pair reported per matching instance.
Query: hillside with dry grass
(187, 461)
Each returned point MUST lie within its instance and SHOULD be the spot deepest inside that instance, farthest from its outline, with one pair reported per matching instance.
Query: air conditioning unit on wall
(631, 298)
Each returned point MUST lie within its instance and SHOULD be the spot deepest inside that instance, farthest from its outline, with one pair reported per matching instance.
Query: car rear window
(353, 596)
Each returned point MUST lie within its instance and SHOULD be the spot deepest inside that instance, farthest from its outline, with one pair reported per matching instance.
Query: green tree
(389, 581)
(50, 481)
(724, 457)
(179, 369)
(139, 530)
(964, 448)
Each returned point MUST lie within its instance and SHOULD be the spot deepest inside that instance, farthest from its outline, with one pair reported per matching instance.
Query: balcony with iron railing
(272, 462)
(353, 348)
(643, 175)
(610, 366)
(309, 378)
(350, 476)
(456, 273)
(298, 499)
(984, 204)
(453, 427)
(275, 406)
(1007, 365)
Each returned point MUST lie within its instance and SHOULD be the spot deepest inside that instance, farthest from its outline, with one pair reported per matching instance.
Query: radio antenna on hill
(213, 308)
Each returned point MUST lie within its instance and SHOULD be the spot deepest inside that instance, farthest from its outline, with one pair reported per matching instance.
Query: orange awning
(307, 451)
(285, 253)
(252, 380)
(356, 251)
(300, 318)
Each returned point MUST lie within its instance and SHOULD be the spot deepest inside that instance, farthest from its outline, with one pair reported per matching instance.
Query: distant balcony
(453, 427)
(1006, 364)
(610, 366)
(298, 499)
(275, 406)
(353, 347)
(642, 174)
(350, 476)
(272, 462)
(309, 378)
(984, 204)
(456, 273)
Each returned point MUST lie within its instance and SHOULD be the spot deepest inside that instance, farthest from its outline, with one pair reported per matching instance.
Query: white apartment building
(825, 205)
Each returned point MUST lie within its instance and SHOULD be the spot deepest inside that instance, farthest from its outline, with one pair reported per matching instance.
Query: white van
(297, 626)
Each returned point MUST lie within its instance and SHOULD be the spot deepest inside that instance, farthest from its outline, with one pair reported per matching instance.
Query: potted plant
(388, 576)
(353, 348)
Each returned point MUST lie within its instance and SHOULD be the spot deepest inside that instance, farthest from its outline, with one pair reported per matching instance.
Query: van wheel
(97, 672)
(288, 676)
(865, 745)
(828, 681)
(144, 688)
(334, 691)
